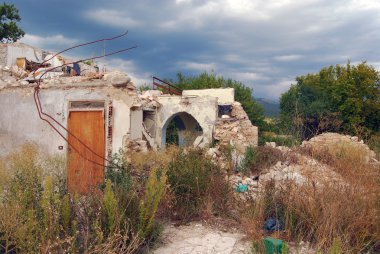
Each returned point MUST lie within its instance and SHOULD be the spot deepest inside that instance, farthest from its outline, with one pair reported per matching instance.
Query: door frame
(87, 109)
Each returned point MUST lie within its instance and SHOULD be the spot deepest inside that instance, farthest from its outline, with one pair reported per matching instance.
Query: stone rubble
(149, 99)
(330, 140)
(236, 130)
(15, 76)
(135, 146)
(303, 171)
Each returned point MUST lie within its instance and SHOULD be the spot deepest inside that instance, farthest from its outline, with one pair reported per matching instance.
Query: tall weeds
(195, 181)
(37, 215)
(346, 210)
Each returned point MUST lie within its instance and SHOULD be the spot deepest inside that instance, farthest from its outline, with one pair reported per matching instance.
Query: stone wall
(236, 130)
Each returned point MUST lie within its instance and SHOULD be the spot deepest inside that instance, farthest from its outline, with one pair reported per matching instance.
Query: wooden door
(82, 174)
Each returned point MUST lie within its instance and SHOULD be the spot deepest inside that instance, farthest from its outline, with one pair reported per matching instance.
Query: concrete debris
(149, 99)
(15, 76)
(198, 140)
(201, 142)
(302, 169)
(338, 142)
(252, 185)
(119, 79)
(11, 76)
(135, 146)
(271, 144)
(236, 130)
(18, 72)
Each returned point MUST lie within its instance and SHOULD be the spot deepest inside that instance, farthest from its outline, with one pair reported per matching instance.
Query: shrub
(153, 193)
(195, 180)
(38, 215)
(258, 158)
(110, 206)
(280, 140)
(248, 161)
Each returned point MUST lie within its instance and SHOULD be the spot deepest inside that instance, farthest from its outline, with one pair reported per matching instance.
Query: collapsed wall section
(236, 129)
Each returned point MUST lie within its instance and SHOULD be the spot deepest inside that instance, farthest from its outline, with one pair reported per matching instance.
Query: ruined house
(101, 113)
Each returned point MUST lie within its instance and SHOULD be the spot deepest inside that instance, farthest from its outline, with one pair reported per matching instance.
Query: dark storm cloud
(264, 44)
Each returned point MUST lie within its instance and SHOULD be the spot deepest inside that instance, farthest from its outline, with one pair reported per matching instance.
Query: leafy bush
(258, 158)
(280, 140)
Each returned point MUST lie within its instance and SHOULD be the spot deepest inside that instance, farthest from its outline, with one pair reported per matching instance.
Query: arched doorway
(181, 129)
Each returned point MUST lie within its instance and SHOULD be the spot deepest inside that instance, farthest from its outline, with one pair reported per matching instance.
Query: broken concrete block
(204, 143)
(198, 141)
(24, 83)
(120, 80)
(130, 85)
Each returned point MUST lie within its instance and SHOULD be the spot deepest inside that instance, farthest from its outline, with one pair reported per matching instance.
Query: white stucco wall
(121, 124)
(16, 50)
(203, 109)
(20, 123)
(136, 124)
(224, 95)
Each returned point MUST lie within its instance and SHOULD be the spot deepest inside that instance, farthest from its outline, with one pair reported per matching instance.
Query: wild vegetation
(341, 216)
(38, 214)
(125, 215)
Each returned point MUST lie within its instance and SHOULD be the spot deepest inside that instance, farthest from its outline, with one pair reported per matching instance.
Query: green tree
(339, 98)
(243, 94)
(9, 31)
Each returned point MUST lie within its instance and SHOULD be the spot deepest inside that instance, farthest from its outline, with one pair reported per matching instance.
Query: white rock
(24, 83)
(197, 141)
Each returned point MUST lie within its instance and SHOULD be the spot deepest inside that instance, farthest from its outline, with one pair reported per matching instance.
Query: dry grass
(144, 162)
(38, 216)
(348, 211)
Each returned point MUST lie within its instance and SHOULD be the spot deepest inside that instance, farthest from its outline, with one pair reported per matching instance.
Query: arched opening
(181, 129)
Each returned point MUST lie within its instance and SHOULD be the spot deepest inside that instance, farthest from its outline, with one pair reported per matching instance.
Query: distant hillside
(271, 107)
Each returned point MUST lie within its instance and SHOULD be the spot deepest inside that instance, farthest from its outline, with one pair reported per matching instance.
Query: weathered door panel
(82, 174)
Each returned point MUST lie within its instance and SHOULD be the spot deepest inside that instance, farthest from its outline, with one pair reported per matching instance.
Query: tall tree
(338, 98)
(9, 16)
(243, 94)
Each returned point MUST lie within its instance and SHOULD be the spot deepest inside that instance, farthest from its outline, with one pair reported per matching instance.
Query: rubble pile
(246, 188)
(329, 141)
(149, 99)
(305, 171)
(236, 130)
(300, 169)
(137, 145)
(15, 76)
(12, 76)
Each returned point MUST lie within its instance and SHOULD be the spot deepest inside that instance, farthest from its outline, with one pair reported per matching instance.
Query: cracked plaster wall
(15, 50)
(20, 123)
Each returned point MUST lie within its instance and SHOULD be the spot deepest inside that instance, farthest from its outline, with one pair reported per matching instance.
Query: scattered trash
(274, 246)
(272, 224)
(241, 188)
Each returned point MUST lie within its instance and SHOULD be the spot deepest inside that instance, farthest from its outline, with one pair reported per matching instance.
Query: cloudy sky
(263, 43)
